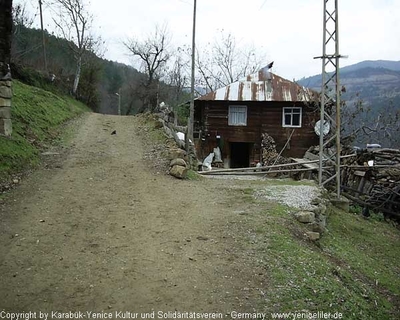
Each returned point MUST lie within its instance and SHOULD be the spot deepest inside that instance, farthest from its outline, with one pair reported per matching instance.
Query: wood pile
(386, 156)
(268, 151)
(375, 186)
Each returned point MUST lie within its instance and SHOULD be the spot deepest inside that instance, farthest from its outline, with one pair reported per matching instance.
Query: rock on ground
(305, 216)
(178, 162)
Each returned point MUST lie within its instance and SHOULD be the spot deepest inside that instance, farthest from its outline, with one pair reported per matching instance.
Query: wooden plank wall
(212, 118)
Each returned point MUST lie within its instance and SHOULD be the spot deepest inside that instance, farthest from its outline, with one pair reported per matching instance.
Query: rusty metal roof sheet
(261, 86)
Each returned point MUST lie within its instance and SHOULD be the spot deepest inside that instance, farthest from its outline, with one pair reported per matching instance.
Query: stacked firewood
(268, 151)
(380, 185)
(385, 189)
(386, 156)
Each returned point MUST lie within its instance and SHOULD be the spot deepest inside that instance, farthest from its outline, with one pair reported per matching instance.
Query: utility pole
(43, 37)
(330, 96)
(191, 112)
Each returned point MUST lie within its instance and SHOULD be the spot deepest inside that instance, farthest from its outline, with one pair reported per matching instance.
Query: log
(260, 168)
(257, 171)
(365, 204)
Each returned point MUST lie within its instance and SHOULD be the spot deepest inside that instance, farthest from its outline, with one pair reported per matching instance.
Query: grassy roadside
(353, 269)
(37, 116)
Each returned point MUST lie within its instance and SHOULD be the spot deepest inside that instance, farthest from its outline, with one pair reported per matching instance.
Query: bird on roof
(269, 66)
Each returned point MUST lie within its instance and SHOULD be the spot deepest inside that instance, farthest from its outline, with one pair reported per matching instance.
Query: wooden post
(191, 111)
(43, 37)
(5, 71)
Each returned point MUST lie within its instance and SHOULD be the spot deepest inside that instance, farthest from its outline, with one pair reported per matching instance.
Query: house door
(240, 154)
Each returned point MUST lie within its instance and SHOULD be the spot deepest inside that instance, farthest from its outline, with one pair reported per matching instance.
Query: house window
(291, 117)
(237, 116)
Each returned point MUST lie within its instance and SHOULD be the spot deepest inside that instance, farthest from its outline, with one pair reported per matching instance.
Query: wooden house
(234, 118)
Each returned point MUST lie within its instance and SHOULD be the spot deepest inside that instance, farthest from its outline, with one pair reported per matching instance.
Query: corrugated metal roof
(261, 86)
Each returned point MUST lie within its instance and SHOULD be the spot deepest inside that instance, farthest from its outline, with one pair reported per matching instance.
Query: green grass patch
(37, 115)
(194, 176)
(367, 245)
(150, 125)
(353, 269)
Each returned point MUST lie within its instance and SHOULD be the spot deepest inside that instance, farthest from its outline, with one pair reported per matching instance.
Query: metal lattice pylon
(329, 145)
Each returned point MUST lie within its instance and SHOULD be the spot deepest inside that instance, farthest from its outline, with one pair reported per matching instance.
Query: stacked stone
(5, 107)
(178, 168)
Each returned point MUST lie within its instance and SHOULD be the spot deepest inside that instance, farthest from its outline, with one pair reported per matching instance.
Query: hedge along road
(100, 231)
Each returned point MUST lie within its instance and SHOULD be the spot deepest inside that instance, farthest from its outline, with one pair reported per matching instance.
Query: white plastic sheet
(207, 162)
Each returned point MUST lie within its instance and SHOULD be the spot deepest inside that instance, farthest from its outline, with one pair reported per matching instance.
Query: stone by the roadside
(305, 216)
(5, 127)
(179, 172)
(321, 220)
(320, 209)
(178, 162)
(168, 132)
(317, 227)
(50, 153)
(159, 124)
(313, 236)
(175, 153)
(341, 203)
(202, 238)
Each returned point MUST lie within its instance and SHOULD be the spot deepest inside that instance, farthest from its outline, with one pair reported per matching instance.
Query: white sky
(288, 31)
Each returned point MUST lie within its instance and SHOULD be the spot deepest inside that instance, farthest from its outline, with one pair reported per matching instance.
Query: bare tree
(21, 22)
(362, 123)
(21, 17)
(152, 54)
(224, 62)
(208, 76)
(178, 77)
(74, 23)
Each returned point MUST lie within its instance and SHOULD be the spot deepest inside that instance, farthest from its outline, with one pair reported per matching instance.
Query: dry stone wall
(5, 107)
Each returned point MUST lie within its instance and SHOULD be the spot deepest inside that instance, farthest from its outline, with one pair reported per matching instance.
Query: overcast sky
(288, 31)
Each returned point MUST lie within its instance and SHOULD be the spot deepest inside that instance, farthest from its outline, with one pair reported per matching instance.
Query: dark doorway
(240, 154)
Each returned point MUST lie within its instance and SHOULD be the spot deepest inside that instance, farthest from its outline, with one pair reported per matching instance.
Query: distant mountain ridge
(376, 83)
(385, 64)
(379, 70)
(373, 85)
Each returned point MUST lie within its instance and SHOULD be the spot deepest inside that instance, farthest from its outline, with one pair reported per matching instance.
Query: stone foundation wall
(5, 107)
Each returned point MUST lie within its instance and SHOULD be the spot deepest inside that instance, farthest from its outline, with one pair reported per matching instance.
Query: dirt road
(99, 230)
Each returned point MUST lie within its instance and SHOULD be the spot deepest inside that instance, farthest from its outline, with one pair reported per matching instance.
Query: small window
(237, 116)
(291, 117)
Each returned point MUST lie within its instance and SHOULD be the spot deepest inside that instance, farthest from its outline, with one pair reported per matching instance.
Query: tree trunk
(77, 75)
(5, 73)
(5, 36)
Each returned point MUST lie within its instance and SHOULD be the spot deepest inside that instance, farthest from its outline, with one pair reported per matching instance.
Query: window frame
(284, 125)
(229, 116)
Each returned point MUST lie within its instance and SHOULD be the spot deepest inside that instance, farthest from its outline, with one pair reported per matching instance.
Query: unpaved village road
(101, 231)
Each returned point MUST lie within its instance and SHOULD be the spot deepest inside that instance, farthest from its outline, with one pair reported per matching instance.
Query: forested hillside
(100, 80)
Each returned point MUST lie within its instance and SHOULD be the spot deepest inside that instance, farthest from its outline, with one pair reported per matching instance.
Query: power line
(185, 2)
